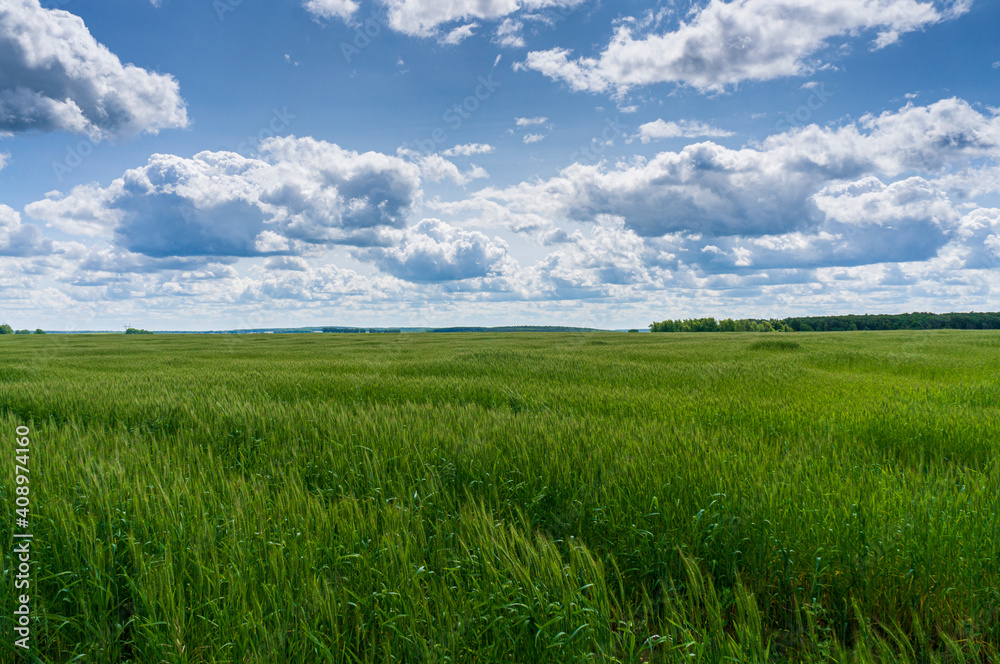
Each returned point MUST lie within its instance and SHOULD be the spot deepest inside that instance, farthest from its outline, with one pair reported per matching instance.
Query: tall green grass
(509, 498)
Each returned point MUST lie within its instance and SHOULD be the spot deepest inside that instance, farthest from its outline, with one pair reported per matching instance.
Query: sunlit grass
(510, 498)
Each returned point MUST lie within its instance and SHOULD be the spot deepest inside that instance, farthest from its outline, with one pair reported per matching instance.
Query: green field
(829, 497)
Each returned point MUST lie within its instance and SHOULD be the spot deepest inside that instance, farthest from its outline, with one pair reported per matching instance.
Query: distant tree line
(850, 323)
(7, 329)
(727, 325)
(133, 330)
(344, 330)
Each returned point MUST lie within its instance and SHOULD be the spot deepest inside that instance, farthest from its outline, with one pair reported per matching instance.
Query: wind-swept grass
(510, 498)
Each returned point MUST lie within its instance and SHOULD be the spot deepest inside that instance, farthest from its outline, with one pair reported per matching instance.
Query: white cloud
(534, 137)
(977, 240)
(459, 34)
(100, 265)
(283, 282)
(293, 263)
(530, 122)
(508, 34)
(742, 40)
(434, 251)
(870, 202)
(468, 150)
(9, 217)
(743, 257)
(299, 193)
(660, 129)
(597, 264)
(808, 197)
(342, 9)
(88, 210)
(55, 76)
(18, 239)
(435, 168)
(423, 18)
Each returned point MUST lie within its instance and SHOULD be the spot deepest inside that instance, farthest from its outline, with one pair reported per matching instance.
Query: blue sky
(187, 164)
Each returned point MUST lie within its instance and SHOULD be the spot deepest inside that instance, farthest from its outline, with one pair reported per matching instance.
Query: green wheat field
(473, 498)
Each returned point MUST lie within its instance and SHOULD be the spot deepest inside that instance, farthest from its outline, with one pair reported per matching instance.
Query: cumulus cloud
(661, 129)
(880, 205)
(18, 239)
(530, 122)
(100, 266)
(424, 18)
(434, 251)
(742, 40)
(342, 9)
(809, 197)
(508, 34)
(55, 76)
(870, 202)
(977, 240)
(111, 275)
(831, 245)
(297, 193)
(468, 150)
(292, 282)
(88, 210)
(596, 264)
(435, 168)
(760, 189)
(293, 263)
(540, 123)
(458, 35)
